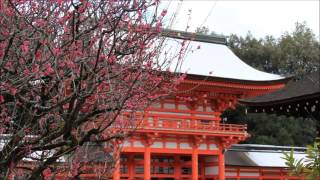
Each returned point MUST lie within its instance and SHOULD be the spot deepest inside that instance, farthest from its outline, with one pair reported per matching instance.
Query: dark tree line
(293, 54)
(272, 129)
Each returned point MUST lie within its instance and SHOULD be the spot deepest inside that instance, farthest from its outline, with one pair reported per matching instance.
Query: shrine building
(300, 98)
(261, 162)
(182, 136)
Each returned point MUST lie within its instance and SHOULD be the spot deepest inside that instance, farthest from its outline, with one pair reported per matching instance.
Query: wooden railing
(187, 125)
(198, 124)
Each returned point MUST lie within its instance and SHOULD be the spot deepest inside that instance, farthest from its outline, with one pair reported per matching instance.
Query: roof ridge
(263, 147)
(214, 39)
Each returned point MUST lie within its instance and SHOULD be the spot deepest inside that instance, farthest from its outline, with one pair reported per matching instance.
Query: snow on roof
(261, 155)
(271, 159)
(216, 60)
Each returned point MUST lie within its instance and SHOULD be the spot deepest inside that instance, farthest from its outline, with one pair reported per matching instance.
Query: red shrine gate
(182, 137)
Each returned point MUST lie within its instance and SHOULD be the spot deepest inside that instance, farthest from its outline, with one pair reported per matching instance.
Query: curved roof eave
(215, 60)
(240, 81)
(279, 101)
(305, 88)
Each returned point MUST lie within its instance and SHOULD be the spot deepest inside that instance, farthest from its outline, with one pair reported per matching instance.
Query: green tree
(295, 53)
(299, 51)
(273, 129)
(309, 166)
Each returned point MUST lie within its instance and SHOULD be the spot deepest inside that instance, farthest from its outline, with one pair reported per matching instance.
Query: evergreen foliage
(273, 129)
(295, 53)
(310, 166)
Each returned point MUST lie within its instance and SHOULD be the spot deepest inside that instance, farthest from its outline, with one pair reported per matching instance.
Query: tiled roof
(308, 86)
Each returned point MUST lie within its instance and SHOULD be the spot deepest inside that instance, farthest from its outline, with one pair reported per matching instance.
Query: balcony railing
(196, 124)
(191, 125)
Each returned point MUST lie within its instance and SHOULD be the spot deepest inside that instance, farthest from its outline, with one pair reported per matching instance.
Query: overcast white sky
(262, 18)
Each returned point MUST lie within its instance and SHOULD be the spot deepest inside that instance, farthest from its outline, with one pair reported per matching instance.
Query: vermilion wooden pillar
(116, 171)
(238, 173)
(221, 165)
(130, 166)
(177, 167)
(203, 168)
(195, 172)
(281, 175)
(147, 159)
(260, 174)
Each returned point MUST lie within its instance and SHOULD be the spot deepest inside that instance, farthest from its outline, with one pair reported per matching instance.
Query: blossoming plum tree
(69, 69)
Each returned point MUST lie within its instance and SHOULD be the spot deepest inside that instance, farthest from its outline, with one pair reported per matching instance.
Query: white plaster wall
(205, 116)
(231, 174)
(211, 170)
(182, 107)
(185, 146)
(169, 106)
(171, 145)
(212, 147)
(211, 159)
(203, 147)
(157, 144)
(137, 144)
(200, 108)
(170, 113)
(156, 105)
(249, 174)
(126, 144)
(209, 109)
